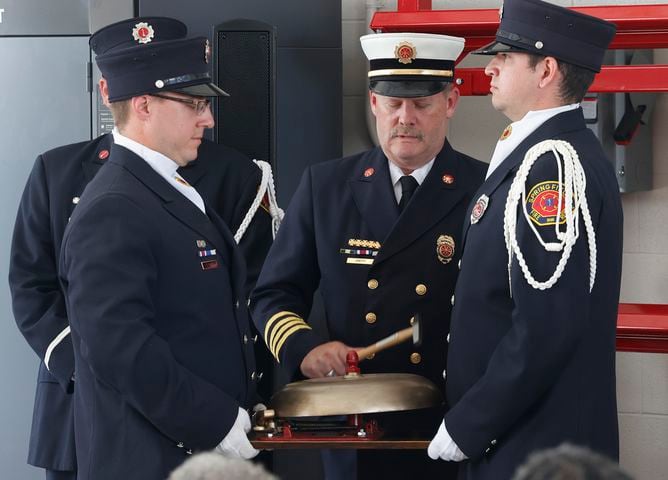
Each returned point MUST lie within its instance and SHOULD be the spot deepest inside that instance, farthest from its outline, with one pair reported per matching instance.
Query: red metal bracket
(642, 328)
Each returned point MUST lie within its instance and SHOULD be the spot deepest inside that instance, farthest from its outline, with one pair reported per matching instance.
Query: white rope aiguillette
(266, 186)
(571, 193)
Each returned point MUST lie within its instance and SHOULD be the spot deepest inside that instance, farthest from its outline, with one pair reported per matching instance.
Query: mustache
(406, 132)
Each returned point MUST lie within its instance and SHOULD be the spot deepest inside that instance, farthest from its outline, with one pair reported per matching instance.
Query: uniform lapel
(432, 201)
(559, 124)
(373, 195)
(90, 164)
(178, 205)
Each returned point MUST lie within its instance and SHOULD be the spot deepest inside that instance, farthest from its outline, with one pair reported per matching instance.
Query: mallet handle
(387, 342)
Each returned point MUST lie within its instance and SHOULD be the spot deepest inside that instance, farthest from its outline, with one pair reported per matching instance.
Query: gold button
(416, 358)
(420, 289)
(370, 318)
(372, 284)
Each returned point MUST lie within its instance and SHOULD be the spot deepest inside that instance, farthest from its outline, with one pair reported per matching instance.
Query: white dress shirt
(164, 166)
(520, 130)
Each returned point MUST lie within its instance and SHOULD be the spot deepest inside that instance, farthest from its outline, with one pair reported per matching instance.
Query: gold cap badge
(405, 52)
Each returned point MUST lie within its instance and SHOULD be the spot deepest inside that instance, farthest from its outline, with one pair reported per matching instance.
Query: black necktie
(408, 186)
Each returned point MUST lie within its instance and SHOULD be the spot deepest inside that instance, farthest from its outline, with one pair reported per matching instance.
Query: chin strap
(572, 200)
(266, 188)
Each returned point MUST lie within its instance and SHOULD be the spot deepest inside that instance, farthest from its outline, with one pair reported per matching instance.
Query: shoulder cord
(572, 179)
(266, 186)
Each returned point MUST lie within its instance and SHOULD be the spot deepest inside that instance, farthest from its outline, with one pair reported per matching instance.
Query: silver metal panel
(44, 103)
(44, 17)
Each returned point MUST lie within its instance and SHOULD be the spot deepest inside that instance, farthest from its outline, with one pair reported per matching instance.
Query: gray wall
(37, 97)
(44, 103)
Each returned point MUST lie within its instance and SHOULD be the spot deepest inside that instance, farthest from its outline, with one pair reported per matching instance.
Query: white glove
(444, 447)
(236, 444)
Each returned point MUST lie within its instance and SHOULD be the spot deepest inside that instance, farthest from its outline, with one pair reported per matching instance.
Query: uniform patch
(542, 204)
(445, 248)
(479, 208)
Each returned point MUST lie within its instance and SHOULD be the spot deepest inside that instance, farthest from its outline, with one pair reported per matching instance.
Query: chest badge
(479, 208)
(445, 248)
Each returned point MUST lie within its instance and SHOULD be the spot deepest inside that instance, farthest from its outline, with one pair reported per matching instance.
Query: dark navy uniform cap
(410, 65)
(547, 29)
(136, 31)
(136, 58)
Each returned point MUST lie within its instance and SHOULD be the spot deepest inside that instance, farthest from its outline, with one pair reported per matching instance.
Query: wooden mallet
(414, 332)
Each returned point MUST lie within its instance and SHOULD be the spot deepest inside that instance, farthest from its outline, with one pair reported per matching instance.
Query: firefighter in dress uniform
(226, 178)
(379, 233)
(532, 339)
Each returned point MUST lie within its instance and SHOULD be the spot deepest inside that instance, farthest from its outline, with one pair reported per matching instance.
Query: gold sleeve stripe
(286, 336)
(275, 317)
(280, 327)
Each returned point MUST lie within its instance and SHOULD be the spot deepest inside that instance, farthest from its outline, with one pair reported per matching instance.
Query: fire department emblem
(479, 208)
(143, 32)
(445, 248)
(405, 52)
(543, 202)
(207, 51)
(507, 132)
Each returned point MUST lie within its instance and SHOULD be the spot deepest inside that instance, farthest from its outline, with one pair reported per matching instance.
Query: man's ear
(373, 101)
(550, 71)
(104, 91)
(141, 106)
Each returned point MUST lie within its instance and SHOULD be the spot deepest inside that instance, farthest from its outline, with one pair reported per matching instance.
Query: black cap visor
(407, 88)
(203, 90)
(497, 47)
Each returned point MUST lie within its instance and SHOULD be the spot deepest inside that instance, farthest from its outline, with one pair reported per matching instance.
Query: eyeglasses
(200, 106)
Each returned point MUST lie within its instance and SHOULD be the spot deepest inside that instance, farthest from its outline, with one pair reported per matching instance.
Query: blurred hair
(213, 466)
(569, 462)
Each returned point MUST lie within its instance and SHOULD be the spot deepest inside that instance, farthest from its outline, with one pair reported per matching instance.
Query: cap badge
(207, 51)
(143, 32)
(369, 171)
(506, 132)
(445, 248)
(405, 52)
(448, 179)
(479, 208)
